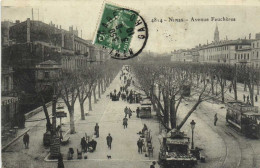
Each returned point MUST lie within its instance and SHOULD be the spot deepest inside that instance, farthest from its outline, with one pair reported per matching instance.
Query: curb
(15, 139)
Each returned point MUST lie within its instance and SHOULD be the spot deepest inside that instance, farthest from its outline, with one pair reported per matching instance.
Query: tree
(68, 88)
(86, 80)
(171, 78)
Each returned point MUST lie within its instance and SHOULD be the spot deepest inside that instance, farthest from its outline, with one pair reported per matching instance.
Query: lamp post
(192, 124)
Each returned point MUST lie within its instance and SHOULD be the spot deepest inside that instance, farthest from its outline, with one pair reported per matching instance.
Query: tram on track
(244, 117)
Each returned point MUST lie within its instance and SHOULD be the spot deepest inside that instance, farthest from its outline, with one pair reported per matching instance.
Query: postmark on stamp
(122, 31)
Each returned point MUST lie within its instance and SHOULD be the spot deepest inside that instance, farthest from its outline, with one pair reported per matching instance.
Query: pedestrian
(137, 112)
(60, 161)
(153, 164)
(126, 111)
(145, 128)
(125, 122)
(97, 130)
(230, 89)
(26, 139)
(247, 99)
(140, 146)
(215, 119)
(129, 112)
(109, 141)
(256, 99)
(244, 97)
(83, 144)
(93, 144)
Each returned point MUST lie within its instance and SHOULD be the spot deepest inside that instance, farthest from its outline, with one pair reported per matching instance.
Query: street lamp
(192, 124)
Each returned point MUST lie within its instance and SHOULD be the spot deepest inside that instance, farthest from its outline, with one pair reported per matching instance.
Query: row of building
(31, 48)
(240, 52)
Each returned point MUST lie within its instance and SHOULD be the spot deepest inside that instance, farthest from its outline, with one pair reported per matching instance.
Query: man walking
(26, 139)
(109, 141)
(137, 112)
(140, 145)
(126, 111)
(129, 112)
(125, 122)
(97, 130)
(215, 119)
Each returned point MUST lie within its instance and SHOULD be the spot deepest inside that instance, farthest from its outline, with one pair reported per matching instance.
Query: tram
(244, 117)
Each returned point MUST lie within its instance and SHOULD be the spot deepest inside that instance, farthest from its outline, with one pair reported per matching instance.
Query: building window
(253, 45)
(257, 54)
(248, 56)
(47, 74)
(235, 56)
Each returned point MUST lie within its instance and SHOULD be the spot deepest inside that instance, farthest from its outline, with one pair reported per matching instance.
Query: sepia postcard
(130, 84)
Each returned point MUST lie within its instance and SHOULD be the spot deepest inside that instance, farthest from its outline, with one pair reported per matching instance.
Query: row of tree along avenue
(170, 84)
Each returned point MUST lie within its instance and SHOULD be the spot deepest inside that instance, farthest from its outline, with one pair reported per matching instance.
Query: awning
(8, 100)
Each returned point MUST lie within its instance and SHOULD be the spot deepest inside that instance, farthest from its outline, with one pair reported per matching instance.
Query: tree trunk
(105, 85)
(48, 124)
(82, 110)
(173, 113)
(89, 103)
(222, 93)
(235, 88)
(94, 94)
(99, 87)
(102, 87)
(257, 87)
(212, 86)
(245, 87)
(72, 124)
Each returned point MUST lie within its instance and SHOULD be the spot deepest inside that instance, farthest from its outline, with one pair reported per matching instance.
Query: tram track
(233, 140)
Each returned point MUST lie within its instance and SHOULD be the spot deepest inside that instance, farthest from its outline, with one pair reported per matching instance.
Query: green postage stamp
(116, 28)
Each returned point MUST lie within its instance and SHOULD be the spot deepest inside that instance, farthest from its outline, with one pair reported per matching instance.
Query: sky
(163, 37)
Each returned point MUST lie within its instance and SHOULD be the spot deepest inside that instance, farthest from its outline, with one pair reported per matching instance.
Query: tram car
(146, 108)
(244, 117)
(175, 151)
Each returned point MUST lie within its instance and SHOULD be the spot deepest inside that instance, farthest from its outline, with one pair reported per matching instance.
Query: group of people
(88, 146)
(128, 112)
(247, 99)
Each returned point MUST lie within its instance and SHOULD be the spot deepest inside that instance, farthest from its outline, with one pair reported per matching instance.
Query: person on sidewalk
(256, 98)
(83, 144)
(109, 141)
(60, 161)
(153, 164)
(140, 145)
(247, 99)
(129, 112)
(215, 119)
(97, 130)
(26, 139)
(126, 111)
(125, 122)
(137, 112)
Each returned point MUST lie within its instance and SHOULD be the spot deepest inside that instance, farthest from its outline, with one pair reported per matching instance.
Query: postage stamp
(121, 30)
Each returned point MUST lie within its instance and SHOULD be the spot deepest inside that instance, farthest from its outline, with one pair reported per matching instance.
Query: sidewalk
(29, 123)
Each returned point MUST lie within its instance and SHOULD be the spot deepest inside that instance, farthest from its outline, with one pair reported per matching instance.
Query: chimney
(17, 21)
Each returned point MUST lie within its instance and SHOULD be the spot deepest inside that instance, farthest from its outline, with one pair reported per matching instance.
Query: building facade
(255, 54)
(240, 52)
(10, 104)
